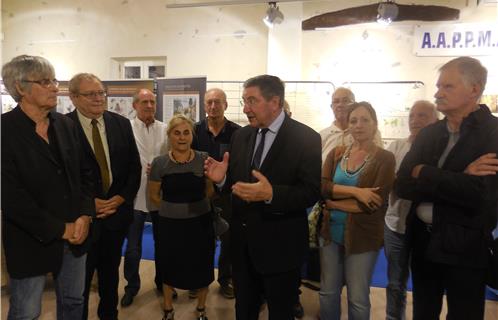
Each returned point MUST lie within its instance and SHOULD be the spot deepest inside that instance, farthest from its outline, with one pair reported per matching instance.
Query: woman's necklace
(190, 157)
(344, 163)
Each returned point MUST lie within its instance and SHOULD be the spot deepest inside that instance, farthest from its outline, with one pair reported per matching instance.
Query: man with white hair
(453, 211)
(150, 136)
(213, 135)
(422, 113)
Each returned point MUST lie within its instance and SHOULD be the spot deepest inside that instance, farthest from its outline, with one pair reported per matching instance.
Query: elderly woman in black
(186, 237)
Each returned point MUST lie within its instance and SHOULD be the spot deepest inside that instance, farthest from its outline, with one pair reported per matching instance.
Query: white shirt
(86, 124)
(333, 136)
(398, 208)
(151, 142)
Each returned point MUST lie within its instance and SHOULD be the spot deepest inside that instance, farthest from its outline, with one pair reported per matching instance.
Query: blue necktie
(256, 161)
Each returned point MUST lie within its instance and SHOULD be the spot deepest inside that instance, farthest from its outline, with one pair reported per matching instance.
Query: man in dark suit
(274, 175)
(47, 202)
(111, 151)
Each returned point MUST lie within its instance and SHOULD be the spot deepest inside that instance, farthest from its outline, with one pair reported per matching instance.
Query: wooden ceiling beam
(368, 13)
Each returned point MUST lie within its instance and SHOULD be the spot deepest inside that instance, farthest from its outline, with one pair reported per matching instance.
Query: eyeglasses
(215, 102)
(343, 101)
(251, 101)
(45, 83)
(94, 94)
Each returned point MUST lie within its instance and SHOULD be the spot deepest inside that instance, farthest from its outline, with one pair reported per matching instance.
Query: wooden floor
(147, 304)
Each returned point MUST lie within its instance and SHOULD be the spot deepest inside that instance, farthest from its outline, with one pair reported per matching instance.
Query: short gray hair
(25, 67)
(74, 83)
(471, 69)
(223, 94)
(428, 104)
(349, 92)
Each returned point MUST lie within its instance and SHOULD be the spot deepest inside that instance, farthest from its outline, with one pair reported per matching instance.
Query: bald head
(422, 114)
(341, 99)
(144, 103)
(215, 103)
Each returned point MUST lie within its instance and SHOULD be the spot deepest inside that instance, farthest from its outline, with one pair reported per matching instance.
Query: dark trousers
(464, 286)
(224, 260)
(280, 290)
(105, 257)
(133, 253)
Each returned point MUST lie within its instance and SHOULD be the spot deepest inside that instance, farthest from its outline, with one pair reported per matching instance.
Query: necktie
(256, 161)
(98, 149)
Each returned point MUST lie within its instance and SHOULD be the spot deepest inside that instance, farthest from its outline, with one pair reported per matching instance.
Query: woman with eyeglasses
(356, 180)
(177, 186)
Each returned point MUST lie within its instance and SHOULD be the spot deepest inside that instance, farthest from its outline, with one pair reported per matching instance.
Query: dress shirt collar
(142, 124)
(335, 129)
(206, 125)
(87, 122)
(277, 123)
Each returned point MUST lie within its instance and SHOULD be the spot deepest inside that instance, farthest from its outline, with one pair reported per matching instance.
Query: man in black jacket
(213, 136)
(47, 202)
(454, 209)
(110, 149)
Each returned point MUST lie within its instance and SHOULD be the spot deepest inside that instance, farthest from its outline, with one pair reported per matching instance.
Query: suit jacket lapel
(84, 140)
(276, 146)
(111, 142)
(250, 142)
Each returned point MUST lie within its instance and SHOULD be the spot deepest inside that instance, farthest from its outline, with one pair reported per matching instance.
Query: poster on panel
(181, 96)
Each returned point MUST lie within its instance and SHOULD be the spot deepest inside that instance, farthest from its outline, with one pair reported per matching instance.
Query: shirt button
(59, 171)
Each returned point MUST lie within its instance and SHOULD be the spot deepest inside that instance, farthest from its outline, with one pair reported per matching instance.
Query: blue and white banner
(460, 39)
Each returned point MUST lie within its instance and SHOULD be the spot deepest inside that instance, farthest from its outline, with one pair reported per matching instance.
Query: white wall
(284, 43)
(83, 35)
(370, 52)
(224, 43)
(1, 33)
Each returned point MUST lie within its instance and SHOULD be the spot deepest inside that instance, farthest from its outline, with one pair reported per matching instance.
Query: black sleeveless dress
(186, 243)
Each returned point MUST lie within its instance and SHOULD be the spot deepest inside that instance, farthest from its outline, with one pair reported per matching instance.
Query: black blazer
(276, 234)
(125, 167)
(40, 193)
(464, 213)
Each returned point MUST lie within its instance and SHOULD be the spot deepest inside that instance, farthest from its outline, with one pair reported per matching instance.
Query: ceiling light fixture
(387, 12)
(273, 15)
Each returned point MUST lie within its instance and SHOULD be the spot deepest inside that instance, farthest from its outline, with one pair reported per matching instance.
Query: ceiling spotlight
(387, 12)
(273, 15)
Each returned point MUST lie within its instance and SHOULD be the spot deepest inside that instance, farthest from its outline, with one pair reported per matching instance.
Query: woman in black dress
(186, 238)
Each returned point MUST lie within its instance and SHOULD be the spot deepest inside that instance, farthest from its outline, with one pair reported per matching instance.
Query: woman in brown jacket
(356, 181)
